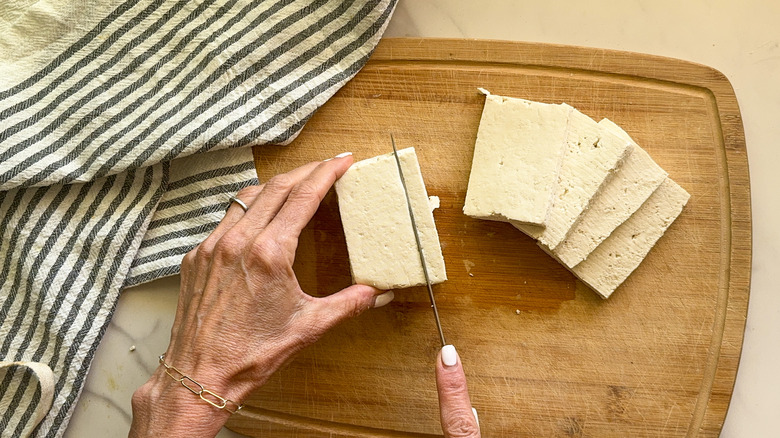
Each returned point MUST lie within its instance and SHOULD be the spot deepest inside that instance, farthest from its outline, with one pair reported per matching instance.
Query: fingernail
(449, 357)
(476, 417)
(383, 299)
(341, 155)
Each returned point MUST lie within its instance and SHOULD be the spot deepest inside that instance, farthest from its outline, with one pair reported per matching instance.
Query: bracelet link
(236, 407)
(183, 382)
(176, 378)
(223, 402)
(200, 390)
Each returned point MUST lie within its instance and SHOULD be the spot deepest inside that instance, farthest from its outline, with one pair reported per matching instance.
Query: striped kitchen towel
(123, 129)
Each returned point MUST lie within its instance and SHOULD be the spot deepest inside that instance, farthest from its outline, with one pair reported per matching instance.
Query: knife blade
(419, 244)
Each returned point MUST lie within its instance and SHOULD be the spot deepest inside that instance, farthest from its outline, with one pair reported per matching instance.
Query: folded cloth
(39, 382)
(117, 123)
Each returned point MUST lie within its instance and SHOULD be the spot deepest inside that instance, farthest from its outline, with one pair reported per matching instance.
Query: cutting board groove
(543, 354)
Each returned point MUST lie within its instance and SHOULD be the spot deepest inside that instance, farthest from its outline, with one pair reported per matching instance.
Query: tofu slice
(517, 157)
(592, 154)
(621, 253)
(382, 249)
(637, 177)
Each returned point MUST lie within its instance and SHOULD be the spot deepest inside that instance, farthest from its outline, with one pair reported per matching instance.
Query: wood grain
(544, 355)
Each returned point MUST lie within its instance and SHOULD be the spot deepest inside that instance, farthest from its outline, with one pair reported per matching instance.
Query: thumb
(458, 419)
(348, 303)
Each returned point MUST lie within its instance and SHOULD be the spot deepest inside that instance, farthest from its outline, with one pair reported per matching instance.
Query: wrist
(163, 407)
(226, 374)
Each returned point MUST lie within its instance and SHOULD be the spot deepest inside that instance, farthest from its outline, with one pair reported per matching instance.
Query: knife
(419, 244)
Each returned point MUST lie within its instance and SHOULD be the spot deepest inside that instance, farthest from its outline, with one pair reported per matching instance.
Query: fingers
(304, 199)
(266, 205)
(239, 228)
(291, 199)
(235, 212)
(457, 417)
(328, 312)
(195, 265)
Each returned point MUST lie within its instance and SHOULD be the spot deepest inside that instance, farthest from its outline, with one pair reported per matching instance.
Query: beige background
(738, 38)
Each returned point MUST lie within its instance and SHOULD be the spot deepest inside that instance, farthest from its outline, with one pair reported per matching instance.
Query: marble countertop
(738, 38)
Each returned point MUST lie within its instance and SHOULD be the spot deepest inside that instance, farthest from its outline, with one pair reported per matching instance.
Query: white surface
(738, 38)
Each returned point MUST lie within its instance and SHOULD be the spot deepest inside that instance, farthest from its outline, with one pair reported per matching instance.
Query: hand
(241, 313)
(458, 418)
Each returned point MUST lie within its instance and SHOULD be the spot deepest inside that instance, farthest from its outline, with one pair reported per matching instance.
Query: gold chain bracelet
(198, 389)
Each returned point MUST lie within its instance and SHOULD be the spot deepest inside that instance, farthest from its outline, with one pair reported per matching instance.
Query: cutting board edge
(551, 55)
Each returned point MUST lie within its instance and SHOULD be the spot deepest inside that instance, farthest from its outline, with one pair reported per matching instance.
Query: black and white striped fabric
(121, 133)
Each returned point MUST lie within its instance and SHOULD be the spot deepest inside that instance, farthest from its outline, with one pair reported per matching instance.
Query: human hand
(242, 313)
(458, 418)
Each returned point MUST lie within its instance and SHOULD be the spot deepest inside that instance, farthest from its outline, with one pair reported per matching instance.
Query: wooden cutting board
(544, 355)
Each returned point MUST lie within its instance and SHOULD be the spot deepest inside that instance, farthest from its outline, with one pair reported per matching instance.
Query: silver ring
(240, 203)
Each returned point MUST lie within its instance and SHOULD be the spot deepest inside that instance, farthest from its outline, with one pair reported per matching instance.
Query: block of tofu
(382, 249)
(635, 179)
(621, 253)
(517, 157)
(592, 154)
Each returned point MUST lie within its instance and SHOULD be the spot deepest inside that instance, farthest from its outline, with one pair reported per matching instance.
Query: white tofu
(380, 240)
(637, 177)
(592, 154)
(516, 161)
(621, 253)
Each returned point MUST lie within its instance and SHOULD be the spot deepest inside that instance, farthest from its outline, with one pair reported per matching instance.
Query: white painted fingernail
(449, 357)
(476, 417)
(341, 155)
(383, 299)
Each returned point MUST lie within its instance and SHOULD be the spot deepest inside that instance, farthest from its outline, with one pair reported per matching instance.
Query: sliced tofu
(637, 177)
(621, 253)
(381, 244)
(516, 161)
(592, 154)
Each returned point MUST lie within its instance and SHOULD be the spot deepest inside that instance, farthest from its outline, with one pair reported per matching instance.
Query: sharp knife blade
(419, 244)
